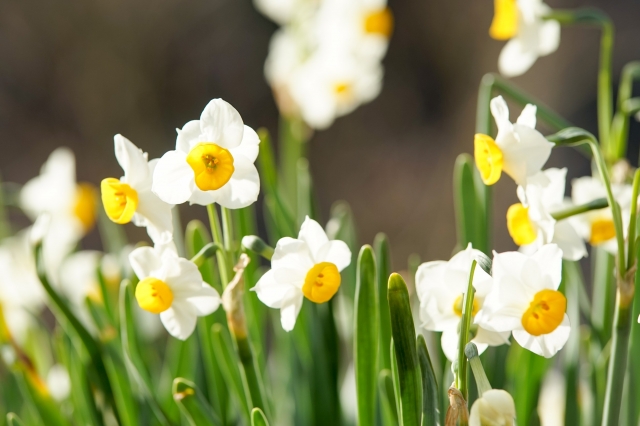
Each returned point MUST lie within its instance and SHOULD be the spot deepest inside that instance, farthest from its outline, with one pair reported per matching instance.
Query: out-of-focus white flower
(552, 400)
(130, 198)
(494, 407)
(283, 11)
(530, 36)
(530, 222)
(519, 149)
(597, 226)
(525, 300)
(71, 207)
(58, 382)
(21, 293)
(441, 286)
(333, 83)
(364, 26)
(172, 287)
(308, 266)
(212, 162)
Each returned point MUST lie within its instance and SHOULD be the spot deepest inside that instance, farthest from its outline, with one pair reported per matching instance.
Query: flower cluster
(325, 59)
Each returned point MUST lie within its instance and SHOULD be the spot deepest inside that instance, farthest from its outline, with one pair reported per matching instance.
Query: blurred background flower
(76, 73)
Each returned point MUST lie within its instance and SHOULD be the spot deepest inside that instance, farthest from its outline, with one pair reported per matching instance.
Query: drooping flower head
(519, 149)
(130, 199)
(530, 222)
(494, 407)
(441, 286)
(530, 35)
(597, 226)
(212, 162)
(525, 300)
(308, 266)
(172, 287)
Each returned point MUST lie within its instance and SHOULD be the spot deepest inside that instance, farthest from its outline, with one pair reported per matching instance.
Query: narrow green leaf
(366, 336)
(404, 338)
(634, 349)
(466, 207)
(525, 371)
(572, 280)
(383, 263)
(14, 420)
(122, 393)
(395, 380)
(387, 398)
(430, 411)
(192, 404)
(226, 355)
(258, 418)
(35, 391)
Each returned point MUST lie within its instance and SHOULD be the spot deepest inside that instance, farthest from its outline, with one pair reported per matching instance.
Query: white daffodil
(21, 293)
(71, 207)
(530, 222)
(440, 286)
(525, 300)
(332, 83)
(597, 226)
(172, 287)
(530, 35)
(282, 11)
(308, 266)
(364, 26)
(130, 198)
(212, 162)
(58, 382)
(79, 276)
(494, 407)
(519, 149)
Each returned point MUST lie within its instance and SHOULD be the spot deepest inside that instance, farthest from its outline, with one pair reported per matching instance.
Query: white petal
(515, 58)
(179, 320)
(500, 112)
(527, 157)
(145, 262)
(492, 338)
(204, 301)
(157, 216)
(182, 275)
(336, 252)
(293, 254)
(546, 345)
(173, 179)
(427, 274)
(549, 258)
(569, 241)
(133, 161)
(549, 37)
(222, 124)
(188, 136)
(242, 189)
(528, 116)
(270, 292)
(312, 233)
(249, 146)
(449, 341)
(290, 309)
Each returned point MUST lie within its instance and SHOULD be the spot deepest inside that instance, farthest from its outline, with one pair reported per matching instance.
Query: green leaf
(466, 207)
(430, 411)
(192, 404)
(258, 418)
(122, 393)
(404, 338)
(226, 355)
(525, 372)
(383, 263)
(387, 398)
(14, 420)
(35, 391)
(366, 336)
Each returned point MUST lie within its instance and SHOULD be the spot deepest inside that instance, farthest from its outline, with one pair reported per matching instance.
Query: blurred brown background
(76, 72)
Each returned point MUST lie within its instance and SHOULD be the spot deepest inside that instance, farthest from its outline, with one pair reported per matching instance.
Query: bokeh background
(76, 72)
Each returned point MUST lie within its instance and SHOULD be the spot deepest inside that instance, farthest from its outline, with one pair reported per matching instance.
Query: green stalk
(597, 204)
(620, 129)
(292, 148)
(465, 325)
(227, 230)
(631, 235)
(223, 266)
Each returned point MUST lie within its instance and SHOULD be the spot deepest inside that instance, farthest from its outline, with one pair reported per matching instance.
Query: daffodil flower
(172, 287)
(530, 35)
(364, 26)
(212, 162)
(440, 286)
(129, 199)
(519, 149)
(332, 83)
(21, 293)
(525, 300)
(71, 207)
(279, 11)
(308, 266)
(530, 222)
(597, 226)
(494, 407)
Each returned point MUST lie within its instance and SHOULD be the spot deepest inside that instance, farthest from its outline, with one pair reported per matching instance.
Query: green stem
(223, 264)
(471, 351)
(631, 235)
(627, 106)
(227, 229)
(254, 380)
(597, 204)
(465, 325)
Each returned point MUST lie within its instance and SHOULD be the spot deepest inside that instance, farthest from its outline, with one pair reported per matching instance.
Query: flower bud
(495, 407)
